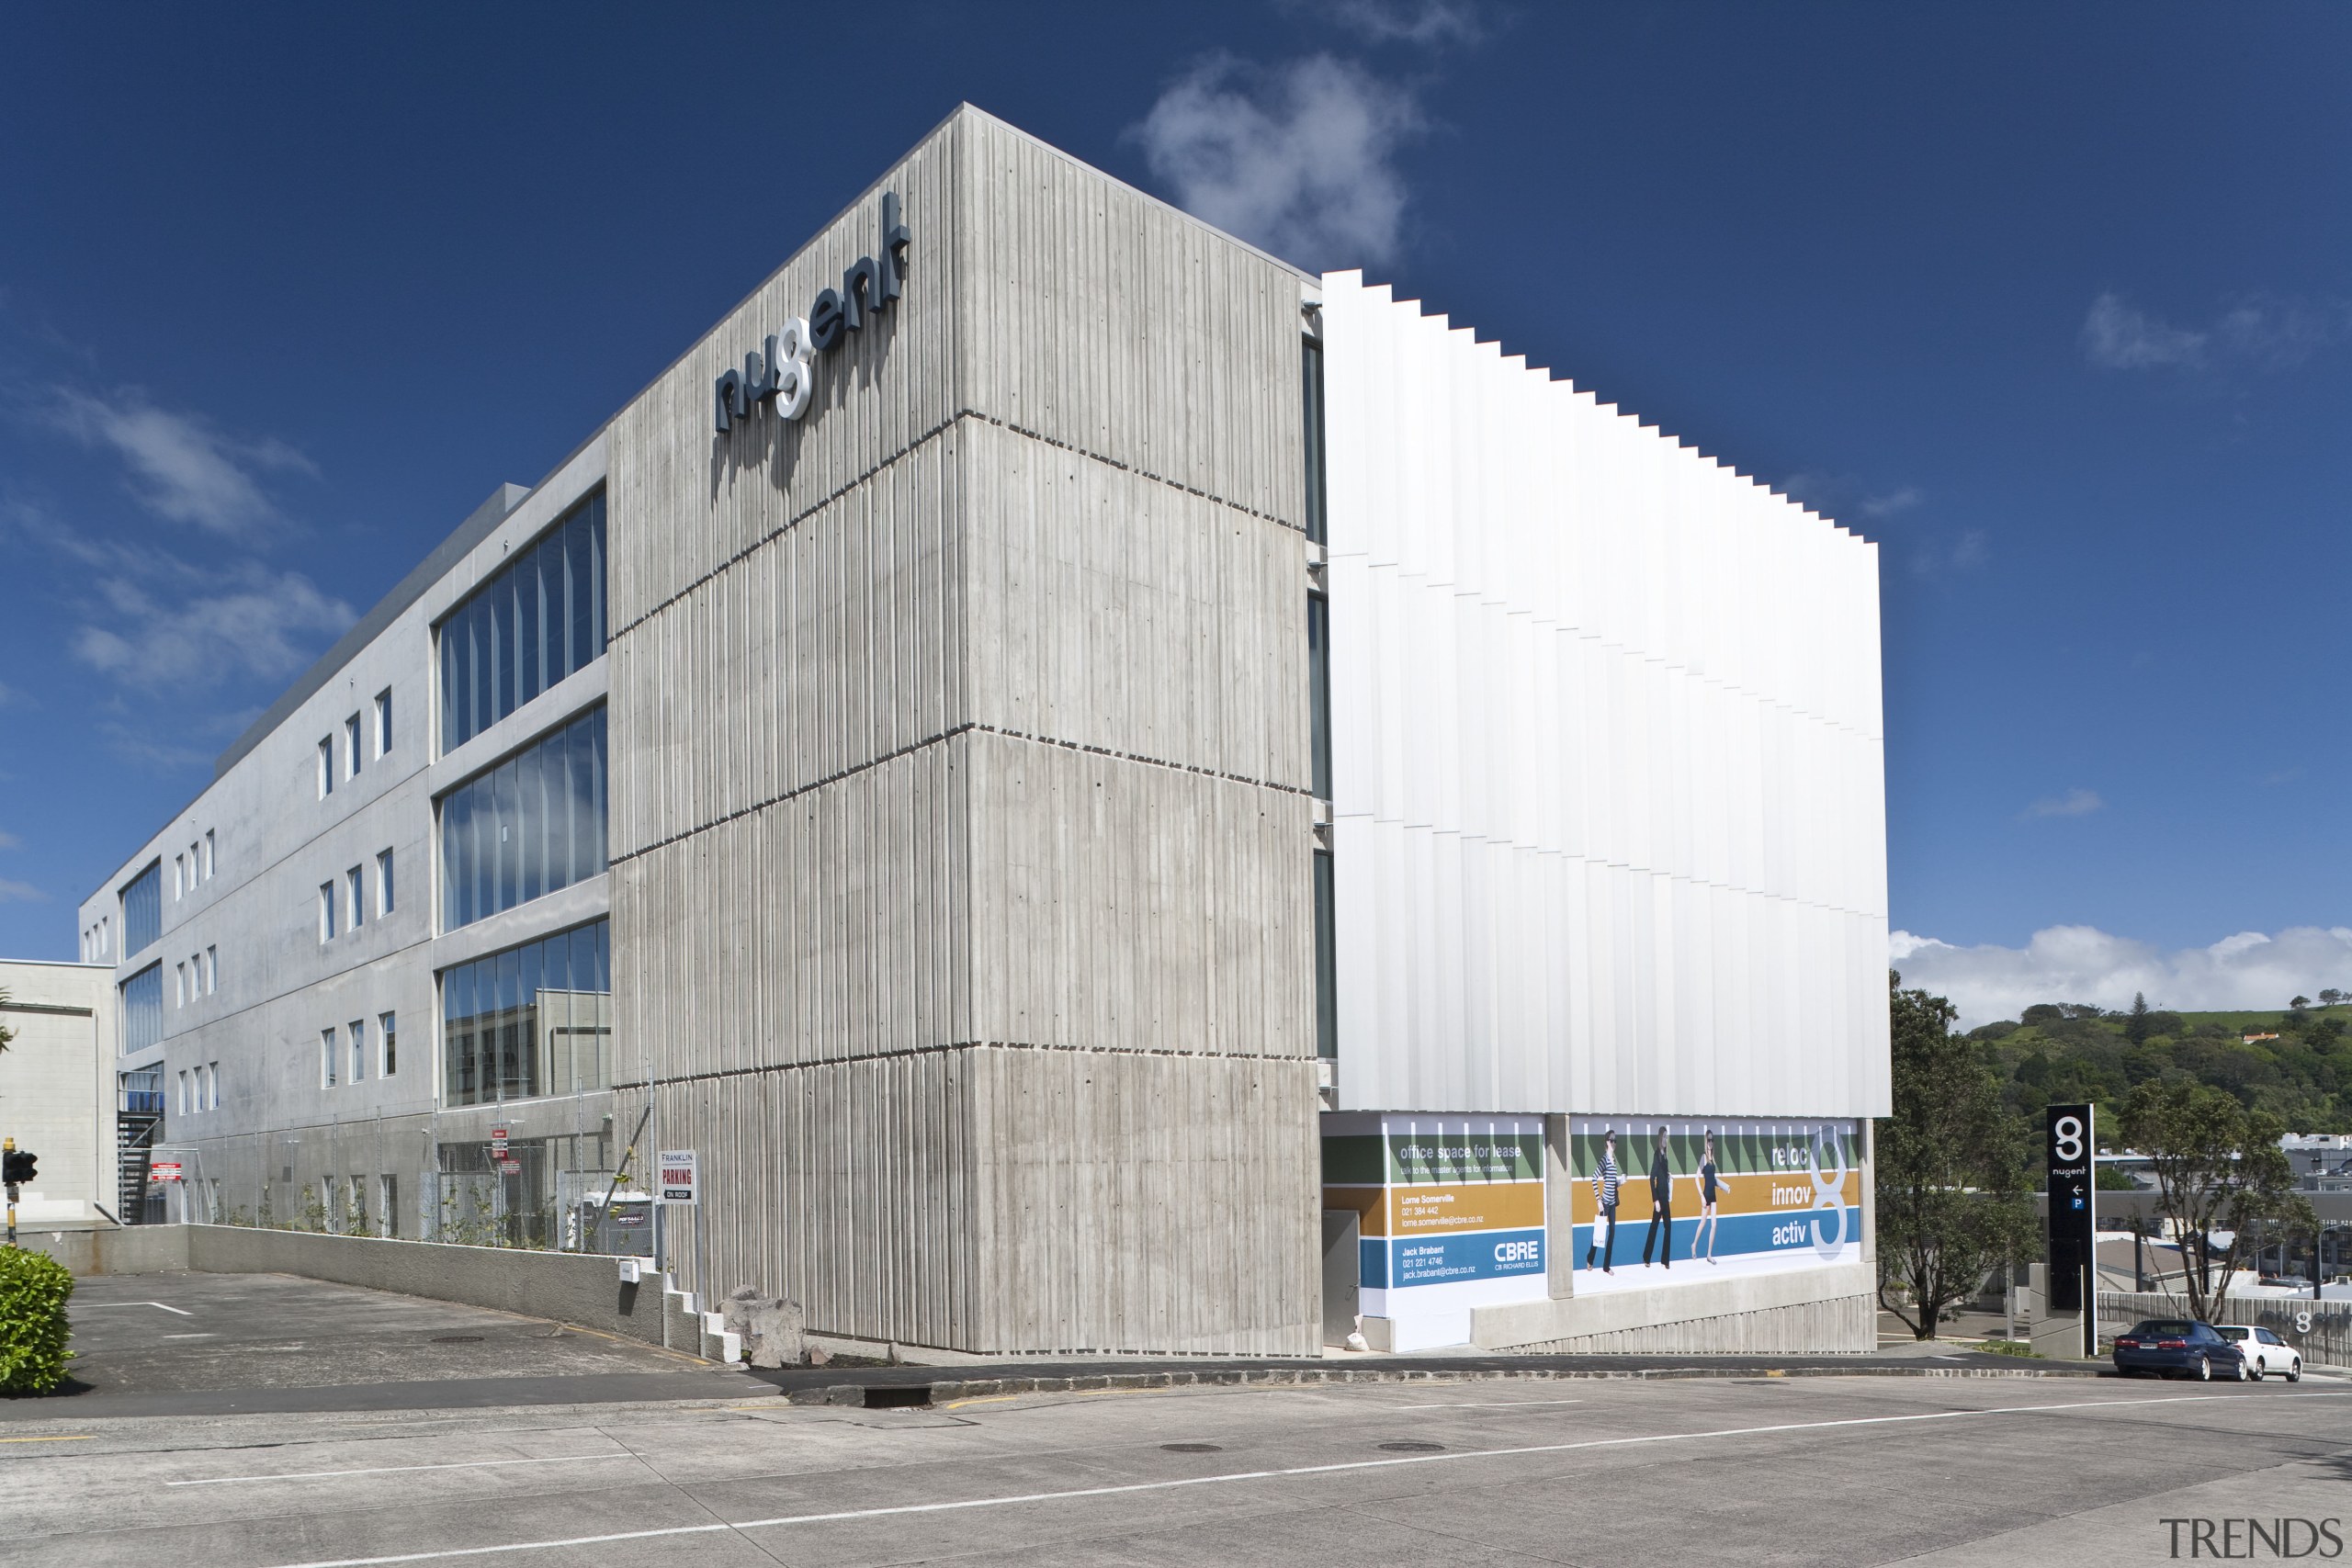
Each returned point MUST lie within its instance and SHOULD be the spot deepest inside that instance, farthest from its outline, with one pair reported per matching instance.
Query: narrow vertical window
(182, 1092)
(1327, 959)
(326, 767)
(1319, 701)
(388, 1041)
(175, 879)
(384, 883)
(358, 1028)
(357, 885)
(326, 1057)
(326, 911)
(179, 985)
(388, 1190)
(208, 854)
(351, 751)
(212, 1083)
(1311, 405)
(212, 971)
(384, 721)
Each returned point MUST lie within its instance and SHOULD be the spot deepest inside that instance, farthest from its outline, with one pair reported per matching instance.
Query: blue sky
(2054, 302)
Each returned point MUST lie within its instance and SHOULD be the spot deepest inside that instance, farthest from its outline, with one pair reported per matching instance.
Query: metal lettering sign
(678, 1179)
(510, 1167)
(780, 374)
(2074, 1206)
(498, 1143)
(164, 1170)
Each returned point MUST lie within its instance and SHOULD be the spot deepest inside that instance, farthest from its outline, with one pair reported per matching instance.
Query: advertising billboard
(1451, 1212)
(1702, 1197)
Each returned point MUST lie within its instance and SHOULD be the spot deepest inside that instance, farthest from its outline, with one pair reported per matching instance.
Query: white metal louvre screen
(1607, 767)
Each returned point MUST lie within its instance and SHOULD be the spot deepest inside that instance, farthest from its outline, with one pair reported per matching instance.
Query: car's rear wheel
(2204, 1368)
(2254, 1370)
(2243, 1372)
(2295, 1370)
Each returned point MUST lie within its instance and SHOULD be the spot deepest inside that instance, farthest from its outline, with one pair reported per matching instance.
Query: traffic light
(17, 1165)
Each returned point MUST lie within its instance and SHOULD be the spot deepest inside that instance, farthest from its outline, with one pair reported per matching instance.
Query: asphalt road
(1858, 1470)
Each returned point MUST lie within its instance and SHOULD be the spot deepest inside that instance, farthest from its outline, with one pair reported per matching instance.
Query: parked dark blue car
(2179, 1348)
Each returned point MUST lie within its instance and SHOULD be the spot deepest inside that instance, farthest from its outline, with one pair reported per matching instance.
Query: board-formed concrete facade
(957, 894)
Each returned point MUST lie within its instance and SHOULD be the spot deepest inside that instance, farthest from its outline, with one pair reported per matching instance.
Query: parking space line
(90, 1306)
(901, 1510)
(1480, 1404)
(394, 1470)
(78, 1437)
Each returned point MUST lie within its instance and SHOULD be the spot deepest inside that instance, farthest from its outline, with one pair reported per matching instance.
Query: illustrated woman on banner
(1605, 1177)
(1709, 1224)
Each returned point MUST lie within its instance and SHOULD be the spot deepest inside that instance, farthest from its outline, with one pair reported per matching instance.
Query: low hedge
(33, 1289)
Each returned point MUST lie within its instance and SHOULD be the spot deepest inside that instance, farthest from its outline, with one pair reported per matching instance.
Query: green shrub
(33, 1289)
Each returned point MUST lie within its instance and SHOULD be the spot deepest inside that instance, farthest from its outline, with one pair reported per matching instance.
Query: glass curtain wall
(142, 908)
(540, 618)
(532, 1021)
(142, 1008)
(532, 825)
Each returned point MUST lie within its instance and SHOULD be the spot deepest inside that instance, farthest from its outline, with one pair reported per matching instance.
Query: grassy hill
(2062, 1051)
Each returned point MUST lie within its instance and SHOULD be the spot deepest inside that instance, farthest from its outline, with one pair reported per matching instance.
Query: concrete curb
(947, 1391)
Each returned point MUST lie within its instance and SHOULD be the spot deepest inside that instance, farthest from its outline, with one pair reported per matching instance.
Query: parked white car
(2265, 1352)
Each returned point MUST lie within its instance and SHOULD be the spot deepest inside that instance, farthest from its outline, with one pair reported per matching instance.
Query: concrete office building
(57, 1088)
(1120, 795)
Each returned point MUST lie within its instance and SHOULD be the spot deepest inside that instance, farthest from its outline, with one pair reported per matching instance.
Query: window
(388, 1203)
(179, 985)
(356, 886)
(1319, 699)
(1327, 959)
(105, 936)
(388, 1038)
(212, 971)
(142, 1012)
(358, 1190)
(191, 868)
(213, 1087)
(532, 825)
(326, 767)
(539, 619)
(208, 854)
(533, 1019)
(326, 1057)
(351, 753)
(358, 1032)
(1311, 400)
(143, 910)
(143, 1091)
(384, 721)
(177, 866)
(182, 1092)
(384, 883)
(326, 911)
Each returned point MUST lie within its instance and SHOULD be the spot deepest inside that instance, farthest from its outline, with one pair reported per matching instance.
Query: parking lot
(217, 1343)
(1751, 1470)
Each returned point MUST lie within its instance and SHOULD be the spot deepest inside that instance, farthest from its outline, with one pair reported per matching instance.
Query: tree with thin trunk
(1950, 1182)
(2218, 1167)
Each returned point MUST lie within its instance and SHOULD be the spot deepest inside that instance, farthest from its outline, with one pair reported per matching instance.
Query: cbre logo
(780, 373)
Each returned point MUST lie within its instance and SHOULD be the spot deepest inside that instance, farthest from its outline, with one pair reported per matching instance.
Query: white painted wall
(1609, 809)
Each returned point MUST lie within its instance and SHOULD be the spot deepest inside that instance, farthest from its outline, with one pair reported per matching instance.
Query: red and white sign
(164, 1170)
(498, 1143)
(679, 1180)
(510, 1167)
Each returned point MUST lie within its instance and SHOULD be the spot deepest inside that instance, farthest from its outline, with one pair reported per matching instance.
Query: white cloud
(1297, 159)
(2074, 803)
(2264, 332)
(1893, 503)
(177, 626)
(2083, 964)
(180, 467)
(9, 840)
(20, 893)
(1420, 22)
(2115, 335)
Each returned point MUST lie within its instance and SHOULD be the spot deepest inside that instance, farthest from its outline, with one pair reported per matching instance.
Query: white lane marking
(904, 1508)
(86, 1306)
(183, 1337)
(394, 1468)
(1485, 1404)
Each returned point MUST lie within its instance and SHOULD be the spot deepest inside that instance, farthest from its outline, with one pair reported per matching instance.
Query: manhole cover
(1193, 1448)
(457, 1339)
(1414, 1446)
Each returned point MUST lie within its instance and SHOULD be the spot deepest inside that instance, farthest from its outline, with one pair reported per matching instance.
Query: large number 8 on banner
(1829, 1193)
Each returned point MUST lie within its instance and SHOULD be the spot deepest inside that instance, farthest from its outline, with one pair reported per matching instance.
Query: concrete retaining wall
(1807, 1311)
(135, 1250)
